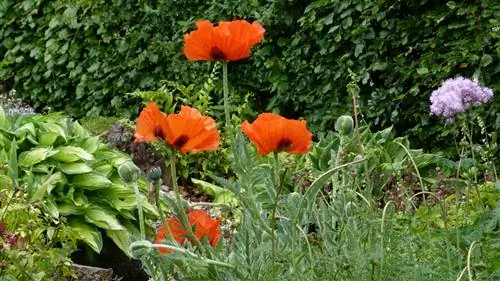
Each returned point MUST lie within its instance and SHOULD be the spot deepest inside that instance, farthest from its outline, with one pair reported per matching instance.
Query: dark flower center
(158, 132)
(284, 144)
(217, 54)
(180, 141)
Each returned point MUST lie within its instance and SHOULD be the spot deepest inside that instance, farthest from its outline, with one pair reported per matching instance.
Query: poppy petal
(190, 131)
(271, 132)
(151, 124)
(229, 41)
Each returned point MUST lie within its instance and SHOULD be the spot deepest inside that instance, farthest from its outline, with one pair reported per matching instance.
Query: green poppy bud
(129, 172)
(344, 125)
(154, 173)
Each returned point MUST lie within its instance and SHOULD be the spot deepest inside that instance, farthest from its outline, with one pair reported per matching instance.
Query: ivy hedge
(82, 56)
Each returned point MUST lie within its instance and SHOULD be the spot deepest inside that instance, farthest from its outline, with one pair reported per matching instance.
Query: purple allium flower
(456, 95)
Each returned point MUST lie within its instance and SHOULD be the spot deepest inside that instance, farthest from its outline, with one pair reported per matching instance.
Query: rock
(90, 273)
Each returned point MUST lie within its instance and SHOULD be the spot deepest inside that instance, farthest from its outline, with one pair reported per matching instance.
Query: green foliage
(401, 52)
(171, 95)
(98, 125)
(33, 246)
(311, 235)
(72, 175)
(82, 56)
(390, 164)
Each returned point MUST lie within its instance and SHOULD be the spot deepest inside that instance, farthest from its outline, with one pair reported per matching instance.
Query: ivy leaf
(486, 60)
(422, 70)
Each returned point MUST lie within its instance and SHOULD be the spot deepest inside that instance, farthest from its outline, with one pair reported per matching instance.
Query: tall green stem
(139, 208)
(279, 182)
(225, 85)
(158, 202)
(181, 210)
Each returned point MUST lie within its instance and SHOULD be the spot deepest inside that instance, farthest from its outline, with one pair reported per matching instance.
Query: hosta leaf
(102, 218)
(53, 128)
(47, 139)
(91, 181)
(208, 188)
(3, 119)
(78, 131)
(91, 144)
(104, 169)
(87, 233)
(72, 154)
(75, 168)
(121, 239)
(29, 158)
(26, 128)
(68, 208)
(13, 165)
(47, 186)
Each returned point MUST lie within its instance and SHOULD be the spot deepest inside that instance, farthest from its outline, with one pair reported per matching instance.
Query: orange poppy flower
(151, 125)
(229, 41)
(201, 223)
(271, 132)
(189, 131)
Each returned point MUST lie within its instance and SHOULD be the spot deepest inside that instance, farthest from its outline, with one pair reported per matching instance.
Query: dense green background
(83, 56)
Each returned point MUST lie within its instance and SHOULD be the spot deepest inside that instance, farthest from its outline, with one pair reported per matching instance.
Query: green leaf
(29, 158)
(53, 128)
(104, 169)
(47, 186)
(50, 207)
(486, 60)
(121, 239)
(91, 144)
(67, 209)
(3, 119)
(75, 168)
(422, 70)
(102, 218)
(87, 233)
(72, 154)
(24, 129)
(47, 139)
(378, 66)
(91, 181)
(78, 131)
(208, 188)
(13, 171)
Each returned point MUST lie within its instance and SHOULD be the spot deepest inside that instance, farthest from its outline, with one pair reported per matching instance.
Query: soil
(111, 257)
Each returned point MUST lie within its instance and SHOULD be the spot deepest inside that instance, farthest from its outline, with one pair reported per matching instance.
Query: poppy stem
(157, 185)
(181, 207)
(225, 85)
(279, 182)
(139, 208)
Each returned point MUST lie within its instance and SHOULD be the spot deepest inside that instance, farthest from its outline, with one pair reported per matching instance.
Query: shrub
(83, 56)
(72, 175)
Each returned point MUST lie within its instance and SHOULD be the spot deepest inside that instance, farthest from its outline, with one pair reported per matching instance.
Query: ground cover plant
(332, 194)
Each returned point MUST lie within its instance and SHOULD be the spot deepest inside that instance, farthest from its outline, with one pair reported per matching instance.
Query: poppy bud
(129, 172)
(344, 125)
(154, 173)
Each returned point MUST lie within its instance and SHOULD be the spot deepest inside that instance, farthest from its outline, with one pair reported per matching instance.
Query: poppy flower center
(180, 141)
(284, 144)
(217, 54)
(158, 133)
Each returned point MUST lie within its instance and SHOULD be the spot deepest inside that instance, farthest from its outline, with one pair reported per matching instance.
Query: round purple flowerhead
(456, 95)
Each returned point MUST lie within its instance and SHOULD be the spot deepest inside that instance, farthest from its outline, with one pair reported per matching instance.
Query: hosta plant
(72, 174)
